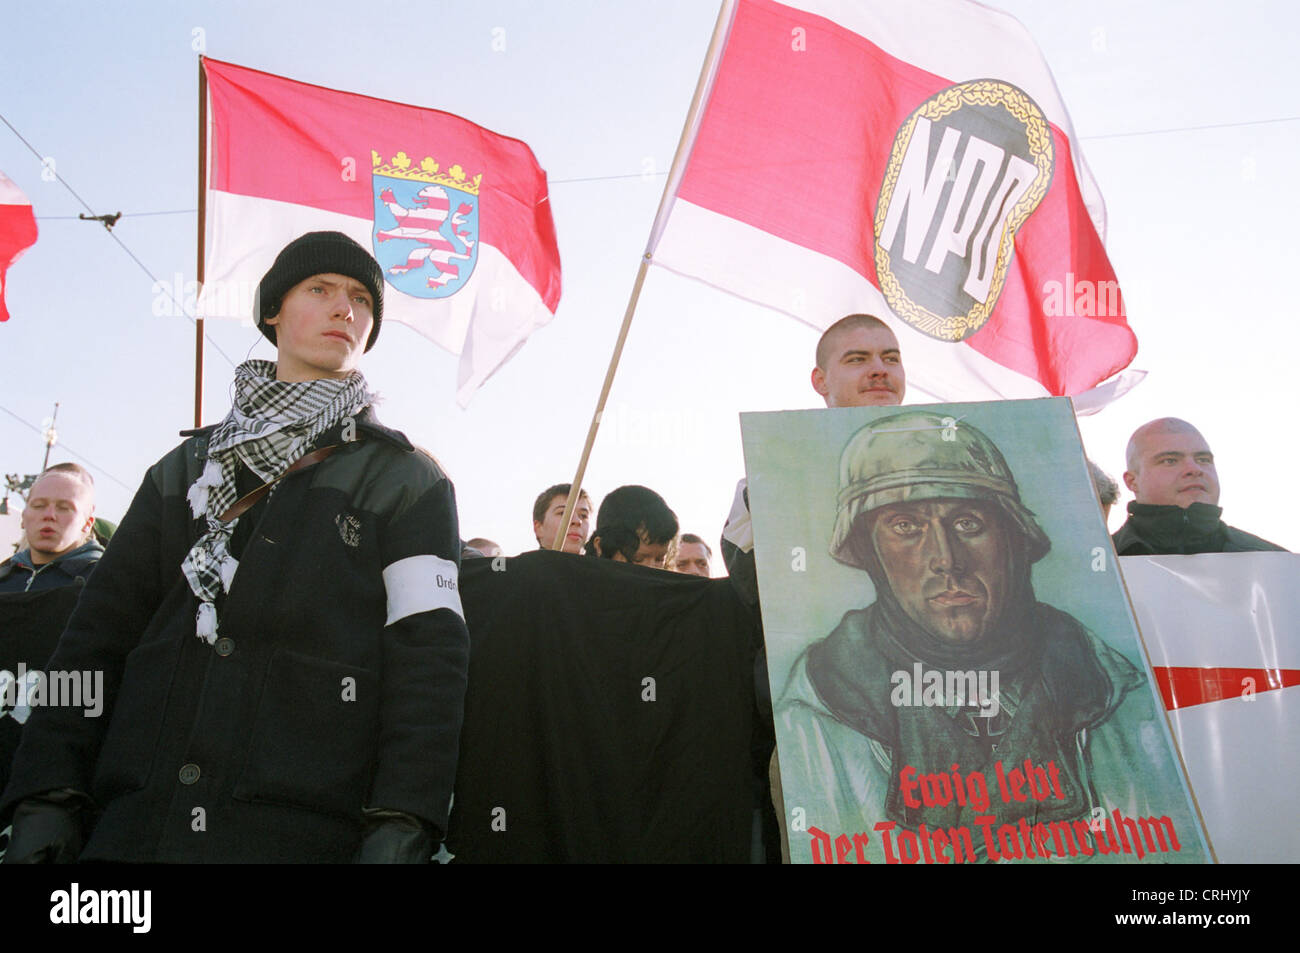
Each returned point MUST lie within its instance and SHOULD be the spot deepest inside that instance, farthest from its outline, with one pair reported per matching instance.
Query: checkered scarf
(271, 425)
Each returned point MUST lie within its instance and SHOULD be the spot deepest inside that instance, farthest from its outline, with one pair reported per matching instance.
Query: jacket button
(189, 773)
(225, 646)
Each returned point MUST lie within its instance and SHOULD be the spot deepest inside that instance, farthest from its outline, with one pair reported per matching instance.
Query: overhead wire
(653, 175)
(1215, 125)
(143, 267)
(79, 456)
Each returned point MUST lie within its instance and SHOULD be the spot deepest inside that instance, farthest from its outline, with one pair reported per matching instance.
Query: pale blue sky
(1201, 236)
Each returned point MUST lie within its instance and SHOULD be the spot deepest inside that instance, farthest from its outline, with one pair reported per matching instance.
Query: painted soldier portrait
(952, 698)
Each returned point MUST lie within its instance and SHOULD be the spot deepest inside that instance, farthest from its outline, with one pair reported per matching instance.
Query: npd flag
(457, 216)
(913, 160)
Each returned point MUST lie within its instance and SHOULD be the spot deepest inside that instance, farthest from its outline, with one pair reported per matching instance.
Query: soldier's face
(948, 563)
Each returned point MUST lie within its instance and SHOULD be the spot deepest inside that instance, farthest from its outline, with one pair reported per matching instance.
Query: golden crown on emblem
(402, 166)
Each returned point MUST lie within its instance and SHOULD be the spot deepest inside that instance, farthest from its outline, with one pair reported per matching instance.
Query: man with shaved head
(859, 364)
(1170, 470)
(58, 522)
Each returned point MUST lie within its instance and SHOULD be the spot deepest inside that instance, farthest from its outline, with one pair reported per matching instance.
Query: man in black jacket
(277, 622)
(1171, 472)
(58, 524)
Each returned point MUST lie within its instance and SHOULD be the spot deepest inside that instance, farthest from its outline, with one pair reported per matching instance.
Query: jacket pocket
(131, 743)
(314, 736)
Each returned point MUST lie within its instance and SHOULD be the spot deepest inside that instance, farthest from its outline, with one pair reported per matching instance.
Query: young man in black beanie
(277, 620)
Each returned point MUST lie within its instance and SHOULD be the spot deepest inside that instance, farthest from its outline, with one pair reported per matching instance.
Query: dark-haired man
(689, 554)
(548, 512)
(633, 525)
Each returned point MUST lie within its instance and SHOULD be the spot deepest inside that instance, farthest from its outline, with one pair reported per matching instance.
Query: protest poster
(1225, 650)
(956, 672)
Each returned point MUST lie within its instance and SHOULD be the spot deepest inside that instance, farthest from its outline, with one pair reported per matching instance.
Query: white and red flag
(17, 231)
(457, 216)
(912, 160)
(1224, 646)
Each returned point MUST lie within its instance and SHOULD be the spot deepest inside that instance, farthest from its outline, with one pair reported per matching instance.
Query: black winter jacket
(20, 574)
(1154, 530)
(336, 683)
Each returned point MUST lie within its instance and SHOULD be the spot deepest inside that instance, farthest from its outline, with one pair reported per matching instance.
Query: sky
(1188, 115)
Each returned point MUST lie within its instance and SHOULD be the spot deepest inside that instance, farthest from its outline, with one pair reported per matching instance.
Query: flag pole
(684, 145)
(198, 270)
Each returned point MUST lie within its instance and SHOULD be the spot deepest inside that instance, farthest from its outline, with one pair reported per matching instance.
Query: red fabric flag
(914, 161)
(458, 216)
(17, 231)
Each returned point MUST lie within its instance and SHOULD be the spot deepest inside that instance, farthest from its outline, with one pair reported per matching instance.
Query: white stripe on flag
(819, 290)
(249, 232)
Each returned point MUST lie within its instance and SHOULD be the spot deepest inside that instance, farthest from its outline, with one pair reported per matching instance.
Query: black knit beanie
(318, 253)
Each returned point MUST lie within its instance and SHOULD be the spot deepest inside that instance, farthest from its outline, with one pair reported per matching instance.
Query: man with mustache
(1171, 472)
(929, 509)
(858, 365)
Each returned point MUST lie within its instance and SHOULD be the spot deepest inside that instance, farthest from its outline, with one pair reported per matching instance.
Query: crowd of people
(277, 619)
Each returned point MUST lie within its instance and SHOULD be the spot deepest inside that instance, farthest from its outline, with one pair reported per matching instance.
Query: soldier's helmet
(917, 456)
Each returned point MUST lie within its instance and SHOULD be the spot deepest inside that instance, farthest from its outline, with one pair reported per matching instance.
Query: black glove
(394, 837)
(48, 828)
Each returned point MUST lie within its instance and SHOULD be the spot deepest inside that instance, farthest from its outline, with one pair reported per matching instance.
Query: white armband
(420, 584)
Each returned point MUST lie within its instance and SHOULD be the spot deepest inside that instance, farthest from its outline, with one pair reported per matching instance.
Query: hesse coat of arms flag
(913, 160)
(457, 216)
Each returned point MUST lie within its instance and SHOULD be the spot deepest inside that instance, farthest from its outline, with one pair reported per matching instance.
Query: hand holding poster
(984, 697)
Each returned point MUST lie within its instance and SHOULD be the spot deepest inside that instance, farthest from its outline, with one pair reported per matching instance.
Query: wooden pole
(574, 490)
(670, 189)
(198, 270)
